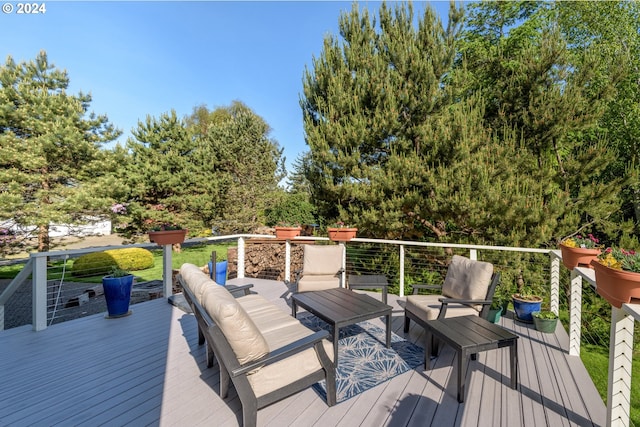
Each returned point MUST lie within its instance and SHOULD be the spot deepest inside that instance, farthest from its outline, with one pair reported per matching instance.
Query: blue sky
(147, 58)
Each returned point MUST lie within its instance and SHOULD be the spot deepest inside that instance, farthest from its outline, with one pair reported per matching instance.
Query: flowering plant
(166, 227)
(620, 259)
(341, 224)
(589, 242)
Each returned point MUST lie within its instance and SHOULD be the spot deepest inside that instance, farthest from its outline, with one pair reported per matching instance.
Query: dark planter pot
(524, 308)
(494, 315)
(548, 326)
(117, 293)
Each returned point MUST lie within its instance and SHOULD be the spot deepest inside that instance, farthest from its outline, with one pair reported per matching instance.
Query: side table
(369, 281)
(469, 335)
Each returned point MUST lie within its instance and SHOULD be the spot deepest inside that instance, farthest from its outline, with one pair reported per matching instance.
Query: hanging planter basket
(342, 234)
(167, 237)
(616, 286)
(287, 233)
(578, 257)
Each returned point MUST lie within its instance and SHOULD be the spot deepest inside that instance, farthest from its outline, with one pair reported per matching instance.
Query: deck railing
(406, 253)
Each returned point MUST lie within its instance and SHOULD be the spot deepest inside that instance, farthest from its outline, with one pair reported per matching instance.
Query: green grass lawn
(197, 254)
(596, 360)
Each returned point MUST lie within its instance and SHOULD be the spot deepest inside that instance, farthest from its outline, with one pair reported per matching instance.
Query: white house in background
(94, 227)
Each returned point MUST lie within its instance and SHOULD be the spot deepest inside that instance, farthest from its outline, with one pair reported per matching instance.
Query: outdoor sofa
(266, 353)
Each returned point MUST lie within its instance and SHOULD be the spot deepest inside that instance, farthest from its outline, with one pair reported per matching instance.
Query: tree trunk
(43, 238)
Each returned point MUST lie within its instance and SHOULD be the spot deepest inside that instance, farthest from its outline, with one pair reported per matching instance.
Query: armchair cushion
(318, 283)
(427, 307)
(322, 260)
(244, 337)
(467, 279)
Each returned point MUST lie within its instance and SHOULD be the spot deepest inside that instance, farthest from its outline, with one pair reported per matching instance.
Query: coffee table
(469, 335)
(341, 307)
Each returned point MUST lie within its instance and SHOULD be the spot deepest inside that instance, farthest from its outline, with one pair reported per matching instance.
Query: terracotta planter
(578, 257)
(286, 233)
(342, 234)
(616, 286)
(167, 237)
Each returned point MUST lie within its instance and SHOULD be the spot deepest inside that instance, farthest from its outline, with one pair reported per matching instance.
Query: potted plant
(167, 234)
(525, 301)
(579, 251)
(286, 231)
(545, 321)
(341, 233)
(495, 310)
(617, 275)
(117, 292)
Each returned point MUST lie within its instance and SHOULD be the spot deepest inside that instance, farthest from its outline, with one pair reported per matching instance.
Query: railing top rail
(394, 242)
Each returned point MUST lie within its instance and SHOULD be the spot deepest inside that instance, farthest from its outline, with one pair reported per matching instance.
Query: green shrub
(96, 263)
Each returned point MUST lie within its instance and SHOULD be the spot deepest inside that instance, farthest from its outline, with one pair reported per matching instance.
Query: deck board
(147, 369)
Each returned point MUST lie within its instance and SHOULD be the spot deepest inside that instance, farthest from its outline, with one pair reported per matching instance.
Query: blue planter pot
(117, 293)
(220, 273)
(524, 308)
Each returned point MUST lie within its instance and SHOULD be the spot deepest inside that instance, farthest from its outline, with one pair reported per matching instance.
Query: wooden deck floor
(147, 369)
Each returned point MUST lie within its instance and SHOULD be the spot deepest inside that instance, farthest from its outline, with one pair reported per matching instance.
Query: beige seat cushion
(318, 283)
(467, 279)
(266, 316)
(427, 307)
(291, 369)
(241, 332)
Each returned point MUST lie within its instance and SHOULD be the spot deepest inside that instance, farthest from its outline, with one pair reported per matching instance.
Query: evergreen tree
(52, 169)
(501, 147)
(211, 169)
(372, 99)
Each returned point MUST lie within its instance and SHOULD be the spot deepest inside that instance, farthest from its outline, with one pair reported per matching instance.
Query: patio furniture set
(256, 343)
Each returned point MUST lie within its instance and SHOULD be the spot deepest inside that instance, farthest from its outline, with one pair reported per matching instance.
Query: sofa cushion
(196, 279)
(467, 279)
(266, 316)
(241, 332)
(279, 374)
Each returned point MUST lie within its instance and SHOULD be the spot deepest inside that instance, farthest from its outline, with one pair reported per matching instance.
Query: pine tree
(51, 164)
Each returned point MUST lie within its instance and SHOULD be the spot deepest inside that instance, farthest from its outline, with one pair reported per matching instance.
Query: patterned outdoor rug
(364, 360)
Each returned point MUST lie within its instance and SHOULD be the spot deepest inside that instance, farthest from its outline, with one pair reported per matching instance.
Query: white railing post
(401, 271)
(39, 289)
(343, 280)
(241, 251)
(555, 284)
(620, 357)
(287, 261)
(575, 313)
(167, 270)
(473, 254)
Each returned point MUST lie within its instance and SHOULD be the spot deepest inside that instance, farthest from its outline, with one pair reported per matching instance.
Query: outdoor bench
(256, 344)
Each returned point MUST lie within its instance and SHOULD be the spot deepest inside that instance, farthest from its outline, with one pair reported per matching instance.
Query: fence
(586, 317)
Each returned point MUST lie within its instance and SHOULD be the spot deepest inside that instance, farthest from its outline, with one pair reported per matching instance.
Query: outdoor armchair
(321, 268)
(468, 288)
